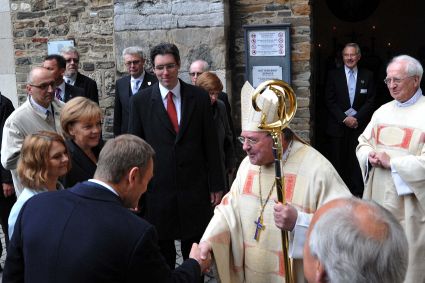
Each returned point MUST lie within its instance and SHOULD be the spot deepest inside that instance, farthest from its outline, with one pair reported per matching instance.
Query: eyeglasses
(76, 60)
(167, 67)
(388, 81)
(192, 74)
(135, 62)
(45, 86)
(349, 55)
(250, 141)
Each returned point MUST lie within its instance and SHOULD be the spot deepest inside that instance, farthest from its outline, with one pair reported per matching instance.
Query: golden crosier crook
(287, 106)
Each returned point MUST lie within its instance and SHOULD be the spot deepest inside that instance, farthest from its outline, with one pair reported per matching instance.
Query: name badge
(363, 90)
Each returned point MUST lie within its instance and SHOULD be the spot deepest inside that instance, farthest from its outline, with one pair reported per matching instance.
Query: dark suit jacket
(6, 108)
(89, 86)
(84, 234)
(223, 97)
(122, 101)
(72, 91)
(82, 168)
(186, 166)
(338, 101)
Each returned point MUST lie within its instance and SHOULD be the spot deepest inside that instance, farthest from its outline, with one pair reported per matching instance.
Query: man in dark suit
(126, 87)
(176, 119)
(92, 236)
(350, 93)
(7, 191)
(73, 77)
(57, 65)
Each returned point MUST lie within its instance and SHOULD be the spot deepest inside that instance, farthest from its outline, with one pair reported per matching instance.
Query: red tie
(172, 113)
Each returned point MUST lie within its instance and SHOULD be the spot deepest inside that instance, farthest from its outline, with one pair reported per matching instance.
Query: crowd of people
(77, 209)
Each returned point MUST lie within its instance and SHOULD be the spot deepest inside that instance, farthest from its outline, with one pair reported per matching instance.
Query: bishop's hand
(285, 216)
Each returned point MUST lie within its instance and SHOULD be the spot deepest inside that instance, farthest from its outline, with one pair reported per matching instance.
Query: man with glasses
(73, 77)
(64, 91)
(350, 93)
(127, 86)
(39, 113)
(175, 119)
(245, 232)
(391, 153)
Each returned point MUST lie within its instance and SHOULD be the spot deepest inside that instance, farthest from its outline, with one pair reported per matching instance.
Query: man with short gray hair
(355, 241)
(391, 154)
(127, 86)
(73, 77)
(92, 236)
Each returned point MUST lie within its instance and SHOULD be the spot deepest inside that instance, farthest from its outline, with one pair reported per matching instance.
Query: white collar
(412, 100)
(164, 91)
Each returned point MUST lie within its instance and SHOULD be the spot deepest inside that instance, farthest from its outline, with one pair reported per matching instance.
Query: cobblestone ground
(179, 259)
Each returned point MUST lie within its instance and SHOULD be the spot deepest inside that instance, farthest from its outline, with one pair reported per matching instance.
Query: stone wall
(88, 23)
(198, 28)
(256, 12)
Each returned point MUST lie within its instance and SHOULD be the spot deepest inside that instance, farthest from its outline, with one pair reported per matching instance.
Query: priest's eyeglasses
(396, 81)
(250, 141)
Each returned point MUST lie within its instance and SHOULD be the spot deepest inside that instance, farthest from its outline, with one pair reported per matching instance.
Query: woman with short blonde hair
(81, 121)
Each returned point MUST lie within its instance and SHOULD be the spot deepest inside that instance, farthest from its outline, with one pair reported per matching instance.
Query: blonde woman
(81, 121)
(43, 159)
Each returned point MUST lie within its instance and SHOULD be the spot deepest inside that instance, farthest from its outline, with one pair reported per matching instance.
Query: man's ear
(132, 175)
(321, 275)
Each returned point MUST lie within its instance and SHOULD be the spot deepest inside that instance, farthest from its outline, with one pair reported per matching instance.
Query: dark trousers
(342, 155)
(168, 249)
(6, 205)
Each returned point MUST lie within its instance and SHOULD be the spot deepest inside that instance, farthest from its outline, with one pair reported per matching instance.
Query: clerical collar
(142, 76)
(103, 184)
(411, 101)
(164, 91)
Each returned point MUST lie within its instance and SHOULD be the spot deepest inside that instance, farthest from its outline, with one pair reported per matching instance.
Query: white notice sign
(264, 73)
(267, 43)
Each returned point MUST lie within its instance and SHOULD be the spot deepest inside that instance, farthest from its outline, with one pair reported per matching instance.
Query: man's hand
(380, 159)
(8, 189)
(216, 197)
(285, 216)
(202, 254)
(351, 122)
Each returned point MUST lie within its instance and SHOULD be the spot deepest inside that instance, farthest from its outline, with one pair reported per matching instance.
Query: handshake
(202, 254)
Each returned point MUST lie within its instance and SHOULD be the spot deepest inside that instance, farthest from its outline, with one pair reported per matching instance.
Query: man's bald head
(353, 240)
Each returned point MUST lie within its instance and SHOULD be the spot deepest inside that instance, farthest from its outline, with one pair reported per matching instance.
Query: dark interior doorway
(393, 28)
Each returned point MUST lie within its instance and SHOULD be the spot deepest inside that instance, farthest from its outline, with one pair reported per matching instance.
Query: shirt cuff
(298, 235)
(401, 186)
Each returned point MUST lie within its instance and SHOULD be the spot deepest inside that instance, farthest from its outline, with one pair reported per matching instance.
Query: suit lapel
(159, 109)
(346, 95)
(188, 106)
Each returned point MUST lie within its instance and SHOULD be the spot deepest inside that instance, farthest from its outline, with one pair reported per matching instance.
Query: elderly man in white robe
(391, 153)
(243, 234)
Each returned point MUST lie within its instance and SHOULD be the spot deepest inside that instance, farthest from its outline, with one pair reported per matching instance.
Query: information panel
(267, 53)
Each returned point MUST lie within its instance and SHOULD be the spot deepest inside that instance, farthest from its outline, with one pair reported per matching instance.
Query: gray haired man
(355, 241)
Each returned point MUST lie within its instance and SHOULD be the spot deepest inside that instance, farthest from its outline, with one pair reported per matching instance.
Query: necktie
(58, 94)
(172, 113)
(136, 86)
(50, 119)
(351, 86)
